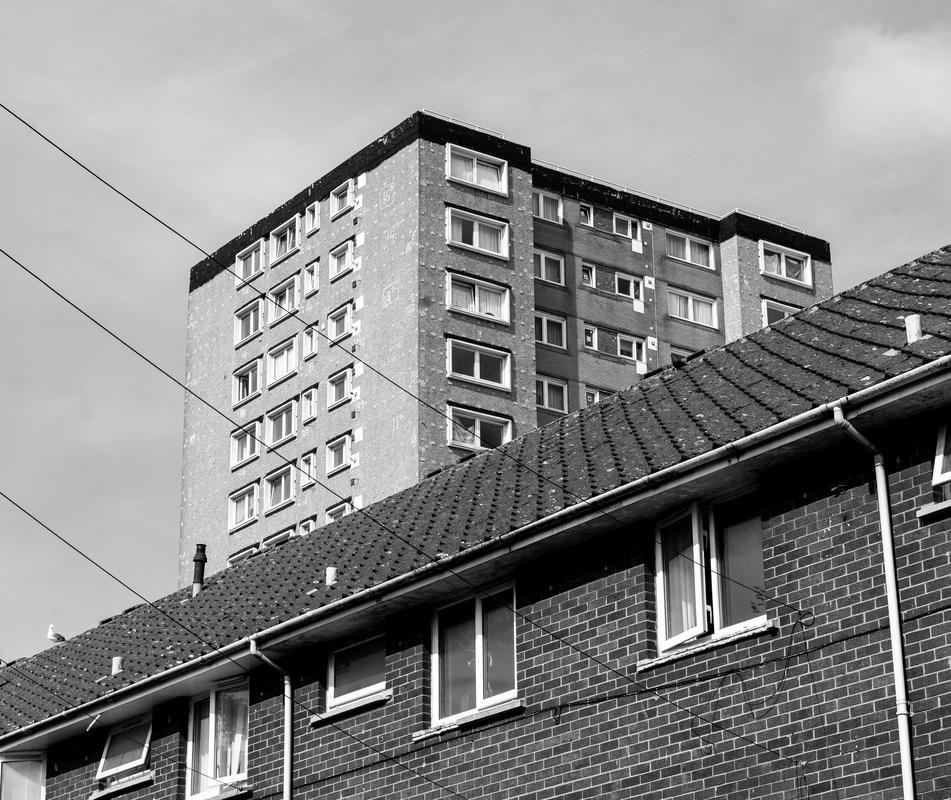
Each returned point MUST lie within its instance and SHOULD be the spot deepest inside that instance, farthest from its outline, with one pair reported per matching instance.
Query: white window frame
(548, 382)
(217, 780)
(310, 281)
(478, 350)
(785, 308)
(312, 218)
(595, 395)
(345, 249)
(235, 497)
(682, 352)
(594, 337)
(482, 702)
(244, 312)
(279, 310)
(272, 355)
(34, 757)
(308, 404)
(346, 506)
(593, 284)
(479, 417)
(503, 227)
(541, 194)
(309, 341)
(636, 344)
(465, 152)
(560, 321)
(479, 286)
(269, 479)
(691, 313)
(268, 427)
(689, 242)
(346, 313)
(251, 366)
(308, 469)
(249, 250)
(347, 374)
(331, 446)
(333, 699)
(637, 285)
(782, 252)
(307, 525)
(942, 466)
(251, 430)
(341, 199)
(102, 772)
(581, 208)
(277, 538)
(542, 255)
(273, 257)
(633, 226)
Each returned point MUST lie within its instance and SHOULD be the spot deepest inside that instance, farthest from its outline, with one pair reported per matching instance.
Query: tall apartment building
(437, 293)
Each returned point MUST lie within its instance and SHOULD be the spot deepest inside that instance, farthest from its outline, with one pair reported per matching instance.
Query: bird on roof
(55, 637)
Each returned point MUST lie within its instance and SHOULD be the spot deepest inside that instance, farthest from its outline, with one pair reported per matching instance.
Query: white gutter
(902, 707)
(288, 715)
(645, 484)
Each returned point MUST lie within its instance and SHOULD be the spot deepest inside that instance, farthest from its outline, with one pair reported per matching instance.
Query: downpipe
(288, 715)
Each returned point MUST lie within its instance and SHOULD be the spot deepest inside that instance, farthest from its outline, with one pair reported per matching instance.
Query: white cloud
(889, 90)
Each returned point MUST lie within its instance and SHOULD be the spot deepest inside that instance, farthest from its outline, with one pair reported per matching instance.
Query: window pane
(491, 433)
(676, 246)
(741, 560)
(555, 333)
(679, 305)
(701, 253)
(771, 262)
(126, 746)
(463, 230)
(795, 268)
(550, 208)
(552, 269)
(457, 659)
(463, 296)
(625, 347)
(490, 238)
(490, 367)
(539, 329)
(21, 780)
(231, 732)
(703, 312)
(679, 576)
(464, 429)
(489, 175)
(201, 746)
(774, 314)
(537, 264)
(498, 642)
(463, 360)
(490, 302)
(461, 167)
(359, 667)
(539, 393)
(556, 396)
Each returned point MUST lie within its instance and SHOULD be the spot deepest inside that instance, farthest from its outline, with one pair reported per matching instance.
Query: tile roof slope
(847, 343)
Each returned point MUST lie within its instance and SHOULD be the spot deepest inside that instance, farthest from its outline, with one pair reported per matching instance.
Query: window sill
(551, 410)
(466, 379)
(932, 512)
(275, 381)
(337, 470)
(272, 447)
(309, 356)
(290, 312)
(702, 325)
(240, 525)
(473, 718)
(251, 338)
(469, 448)
(375, 699)
(312, 231)
(471, 248)
(241, 283)
(557, 347)
(279, 506)
(755, 628)
(550, 283)
(335, 342)
(338, 214)
(124, 785)
(559, 222)
(310, 293)
(287, 255)
(784, 279)
(710, 268)
(246, 461)
(341, 274)
(246, 400)
(481, 317)
(469, 184)
(339, 403)
(224, 791)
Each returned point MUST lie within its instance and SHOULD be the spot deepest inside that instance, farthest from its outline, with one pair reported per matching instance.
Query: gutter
(288, 715)
(592, 506)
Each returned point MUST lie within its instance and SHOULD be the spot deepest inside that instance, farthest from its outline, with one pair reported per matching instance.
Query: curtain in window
(463, 429)
(490, 175)
(556, 396)
(677, 246)
(794, 268)
(490, 238)
(701, 254)
(463, 230)
(552, 270)
(498, 642)
(21, 780)
(741, 562)
(550, 208)
(703, 312)
(554, 334)
(201, 745)
(679, 305)
(771, 262)
(231, 732)
(463, 296)
(679, 576)
(490, 303)
(457, 659)
(461, 167)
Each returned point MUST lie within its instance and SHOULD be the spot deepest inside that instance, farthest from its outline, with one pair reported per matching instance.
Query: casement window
(594, 395)
(244, 443)
(341, 198)
(284, 300)
(308, 404)
(629, 347)
(279, 488)
(281, 423)
(338, 454)
(477, 233)
(709, 573)
(243, 506)
(549, 267)
(339, 323)
(306, 526)
(627, 227)
(692, 307)
(476, 169)
(277, 538)
(473, 656)
(308, 468)
(356, 672)
(311, 278)
(774, 311)
(247, 381)
(941, 476)
(478, 298)
(588, 275)
(285, 239)
(627, 286)
(218, 740)
(550, 329)
(586, 215)
(341, 259)
(546, 206)
(312, 218)
(249, 263)
(237, 557)
(247, 322)
(126, 748)
(782, 262)
(309, 338)
(686, 248)
(338, 511)
(23, 776)
(551, 393)
(282, 360)
(679, 354)
(476, 430)
(479, 364)
(338, 387)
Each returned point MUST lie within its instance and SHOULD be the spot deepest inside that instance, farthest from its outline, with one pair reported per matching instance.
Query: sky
(833, 117)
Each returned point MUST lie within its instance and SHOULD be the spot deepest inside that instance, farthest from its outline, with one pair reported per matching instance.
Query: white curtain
(703, 312)
(490, 175)
(490, 238)
(679, 577)
(679, 305)
(461, 167)
(231, 732)
(463, 296)
(676, 246)
(490, 303)
(701, 254)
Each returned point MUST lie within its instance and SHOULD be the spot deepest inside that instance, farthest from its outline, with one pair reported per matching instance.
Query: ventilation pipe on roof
(913, 328)
(198, 576)
(330, 577)
(902, 706)
(288, 714)
(116, 665)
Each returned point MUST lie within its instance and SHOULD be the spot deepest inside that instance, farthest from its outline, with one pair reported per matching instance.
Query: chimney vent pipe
(200, 559)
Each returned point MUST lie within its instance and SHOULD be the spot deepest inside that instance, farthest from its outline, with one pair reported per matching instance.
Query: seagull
(55, 637)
